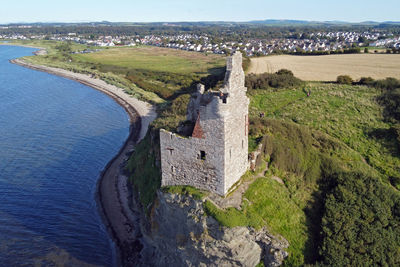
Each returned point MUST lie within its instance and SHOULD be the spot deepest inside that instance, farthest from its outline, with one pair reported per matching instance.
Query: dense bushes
(146, 177)
(344, 79)
(387, 84)
(391, 102)
(389, 99)
(281, 79)
(361, 223)
(366, 81)
(290, 149)
(164, 84)
(171, 115)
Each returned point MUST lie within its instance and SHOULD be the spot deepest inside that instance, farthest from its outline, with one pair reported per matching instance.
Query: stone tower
(215, 156)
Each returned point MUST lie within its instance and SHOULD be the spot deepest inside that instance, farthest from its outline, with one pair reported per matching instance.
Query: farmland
(327, 68)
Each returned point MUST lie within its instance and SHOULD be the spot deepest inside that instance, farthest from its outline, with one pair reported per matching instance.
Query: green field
(149, 73)
(155, 59)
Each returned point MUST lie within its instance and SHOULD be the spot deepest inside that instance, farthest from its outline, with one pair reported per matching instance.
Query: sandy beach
(113, 193)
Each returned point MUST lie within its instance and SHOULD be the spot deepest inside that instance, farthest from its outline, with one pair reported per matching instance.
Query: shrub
(281, 79)
(395, 181)
(360, 225)
(344, 79)
(284, 72)
(146, 176)
(173, 114)
(366, 81)
(366, 50)
(387, 84)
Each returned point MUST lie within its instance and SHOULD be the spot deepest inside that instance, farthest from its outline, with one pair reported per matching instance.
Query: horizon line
(202, 21)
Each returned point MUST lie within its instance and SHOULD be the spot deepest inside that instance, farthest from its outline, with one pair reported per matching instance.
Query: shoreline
(40, 50)
(112, 191)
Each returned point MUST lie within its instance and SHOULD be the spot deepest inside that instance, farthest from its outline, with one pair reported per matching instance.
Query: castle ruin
(215, 156)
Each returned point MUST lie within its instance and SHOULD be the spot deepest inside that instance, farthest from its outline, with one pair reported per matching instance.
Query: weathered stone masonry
(215, 156)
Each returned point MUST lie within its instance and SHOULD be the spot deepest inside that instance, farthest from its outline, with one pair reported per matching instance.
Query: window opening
(170, 150)
(202, 155)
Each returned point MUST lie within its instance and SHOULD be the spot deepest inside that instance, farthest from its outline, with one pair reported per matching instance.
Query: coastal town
(313, 43)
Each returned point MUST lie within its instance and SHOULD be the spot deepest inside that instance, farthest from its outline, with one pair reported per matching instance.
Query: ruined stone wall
(236, 141)
(216, 155)
(235, 112)
(182, 162)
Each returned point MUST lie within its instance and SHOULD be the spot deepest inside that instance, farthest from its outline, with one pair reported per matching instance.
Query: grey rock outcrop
(181, 234)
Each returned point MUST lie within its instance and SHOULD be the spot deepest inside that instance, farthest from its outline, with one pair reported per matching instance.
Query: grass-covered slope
(318, 145)
(336, 154)
(348, 113)
(155, 59)
(304, 160)
(153, 74)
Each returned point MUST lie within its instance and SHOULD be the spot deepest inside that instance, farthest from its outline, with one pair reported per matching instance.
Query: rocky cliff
(179, 233)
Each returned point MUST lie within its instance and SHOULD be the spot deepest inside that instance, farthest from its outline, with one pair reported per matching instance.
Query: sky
(12, 11)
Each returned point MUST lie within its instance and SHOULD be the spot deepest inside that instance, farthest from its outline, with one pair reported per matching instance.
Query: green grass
(301, 158)
(155, 59)
(49, 45)
(146, 176)
(116, 79)
(186, 190)
(148, 73)
(306, 138)
(345, 112)
(273, 101)
(268, 203)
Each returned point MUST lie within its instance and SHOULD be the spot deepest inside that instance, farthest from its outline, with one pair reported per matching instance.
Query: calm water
(56, 135)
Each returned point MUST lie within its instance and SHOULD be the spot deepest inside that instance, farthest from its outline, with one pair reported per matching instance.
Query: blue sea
(56, 135)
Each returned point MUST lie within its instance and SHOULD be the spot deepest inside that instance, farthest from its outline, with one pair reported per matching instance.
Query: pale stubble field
(327, 68)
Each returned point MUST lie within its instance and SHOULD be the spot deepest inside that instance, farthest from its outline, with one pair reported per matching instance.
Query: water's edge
(115, 167)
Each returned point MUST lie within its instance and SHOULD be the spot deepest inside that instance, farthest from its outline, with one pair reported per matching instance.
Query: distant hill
(267, 22)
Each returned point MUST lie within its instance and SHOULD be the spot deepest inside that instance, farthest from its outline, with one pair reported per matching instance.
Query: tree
(366, 50)
(360, 225)
(366, 81)
(344, 79)
(284, 72)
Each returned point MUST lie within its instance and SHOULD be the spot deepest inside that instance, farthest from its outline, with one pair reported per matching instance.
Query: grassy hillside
(311, 143)
(155, 59)
(320, 146)
(153, 74)
(348, 113)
